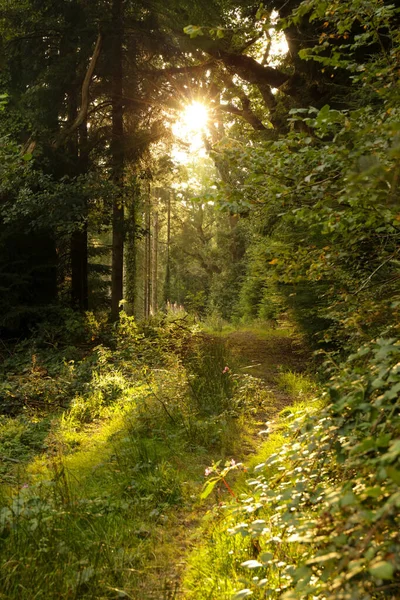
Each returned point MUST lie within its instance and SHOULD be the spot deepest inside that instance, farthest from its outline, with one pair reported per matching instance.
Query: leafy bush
(322, 518)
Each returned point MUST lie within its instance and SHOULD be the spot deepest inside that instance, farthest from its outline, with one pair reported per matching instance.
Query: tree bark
(81, 116)
(79, 239)
(117, 153)
(147, 257)
(130, 252)
(154, 274)
(167, 288)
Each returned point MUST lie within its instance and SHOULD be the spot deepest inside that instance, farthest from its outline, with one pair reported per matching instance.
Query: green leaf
(259, 467)
(266, 557)
(258, 525)
(394, 474)
(393, 392)
(383, 440)
(324, 558)
(364, 446)
(382, 570)
(242, 594)
(251, 564)
(394, 451)
(348, 499)
(373, 492)
(193, 31)
(208, 488)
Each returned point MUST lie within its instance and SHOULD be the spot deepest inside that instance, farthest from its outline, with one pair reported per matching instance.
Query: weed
(112, 455)
(297, 385)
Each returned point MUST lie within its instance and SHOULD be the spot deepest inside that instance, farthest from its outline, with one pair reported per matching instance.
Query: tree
(327, 249)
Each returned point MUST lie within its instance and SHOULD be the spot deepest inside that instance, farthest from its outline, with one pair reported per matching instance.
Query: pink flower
(208, 471)
(226, 370)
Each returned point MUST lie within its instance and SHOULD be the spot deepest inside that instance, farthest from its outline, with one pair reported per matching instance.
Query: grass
(104, 499)
(96, 514)
(215, 567)
(97, 503)
(101, 499)
(297, 385)
(263, 329)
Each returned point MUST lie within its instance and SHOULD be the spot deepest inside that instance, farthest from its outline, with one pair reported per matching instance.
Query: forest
(199, 299)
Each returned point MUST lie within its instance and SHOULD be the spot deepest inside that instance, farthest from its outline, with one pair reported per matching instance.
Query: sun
(189, 129)
(195, 117)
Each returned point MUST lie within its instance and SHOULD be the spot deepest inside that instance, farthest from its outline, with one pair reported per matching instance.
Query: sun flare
(195, 116)
(189, 128)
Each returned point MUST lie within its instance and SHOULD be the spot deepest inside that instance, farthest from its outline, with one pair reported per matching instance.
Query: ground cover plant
(320, 514)
(95, 476)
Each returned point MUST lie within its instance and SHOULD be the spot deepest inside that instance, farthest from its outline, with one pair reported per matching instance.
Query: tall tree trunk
(147, 258)
(78, 163)
(154, 275)
(167, 287)
(79, 239)
(130, 253)
(117, 151)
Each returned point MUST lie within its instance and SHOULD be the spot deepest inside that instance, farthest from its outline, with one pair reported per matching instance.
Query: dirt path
(265, 355)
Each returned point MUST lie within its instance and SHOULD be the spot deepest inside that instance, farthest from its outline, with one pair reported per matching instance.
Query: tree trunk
(147, 259)
(77, 151)
(167, 288)
(154, 286)
(79, 239)
(117, 152)
(130, 253)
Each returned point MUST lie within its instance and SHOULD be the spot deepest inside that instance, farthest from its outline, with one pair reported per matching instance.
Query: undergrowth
(103, 450)
(320, 515)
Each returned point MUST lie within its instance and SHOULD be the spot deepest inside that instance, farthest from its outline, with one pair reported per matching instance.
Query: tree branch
(245, 66)
(85, 94)
(178, 70)
(247, 112)
(248, 116)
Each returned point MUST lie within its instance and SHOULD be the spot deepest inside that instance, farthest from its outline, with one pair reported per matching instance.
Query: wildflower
(208, 471)
(226, 370)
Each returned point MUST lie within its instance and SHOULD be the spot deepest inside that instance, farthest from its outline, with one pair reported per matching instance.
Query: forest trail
(266, 355)
(134, 477)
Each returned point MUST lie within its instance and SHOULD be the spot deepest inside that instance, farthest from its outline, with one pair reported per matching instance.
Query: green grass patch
(229, 539)
(297, 385)
(96, 505)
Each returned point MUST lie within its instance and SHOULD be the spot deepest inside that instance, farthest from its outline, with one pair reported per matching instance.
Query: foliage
(103, 447)
(323, 197)
(321, 518)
